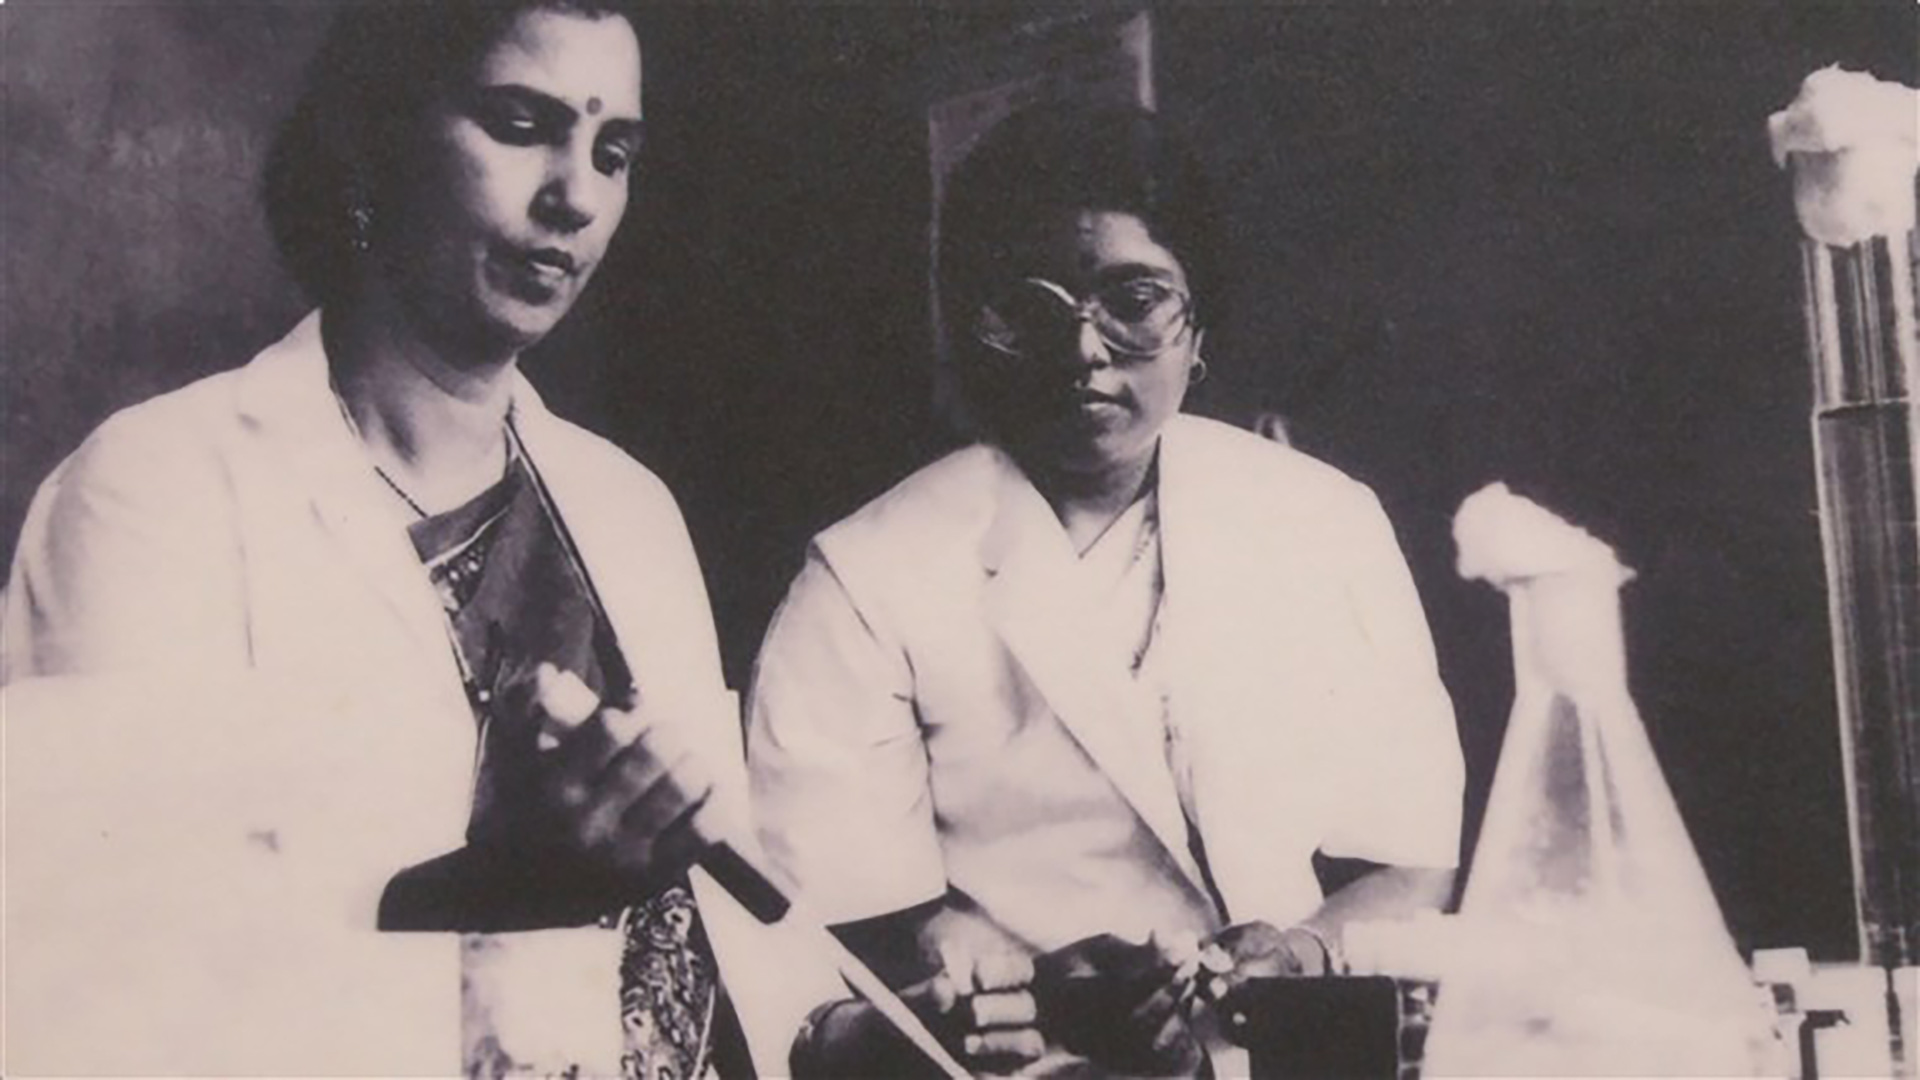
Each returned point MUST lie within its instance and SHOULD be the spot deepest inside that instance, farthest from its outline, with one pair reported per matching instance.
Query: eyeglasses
(1135, 317)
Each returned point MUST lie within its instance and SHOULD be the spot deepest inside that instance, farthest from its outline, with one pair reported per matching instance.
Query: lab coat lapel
(1204, 593)
(286, 392)
(1034, 604)
(1241, 630)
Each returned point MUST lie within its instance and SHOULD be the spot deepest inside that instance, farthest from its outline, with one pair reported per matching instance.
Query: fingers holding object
(647, 789)
(1003, 971)
(563, 700)
(1004, 1050)
(1002, 1009)
(1002, 1035)
(1170, 1038)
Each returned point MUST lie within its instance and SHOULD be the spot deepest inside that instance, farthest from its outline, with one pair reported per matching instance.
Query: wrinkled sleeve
(839, 771)
(1403, 779)
(127, 561)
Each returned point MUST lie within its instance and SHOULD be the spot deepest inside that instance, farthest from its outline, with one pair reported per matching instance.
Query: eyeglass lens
(1137, 316)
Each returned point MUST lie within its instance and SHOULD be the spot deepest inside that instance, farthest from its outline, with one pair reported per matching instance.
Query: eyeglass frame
(1084, 314)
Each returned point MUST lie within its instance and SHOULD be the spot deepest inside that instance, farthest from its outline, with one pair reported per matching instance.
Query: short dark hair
(381, 63)
(1061, 156)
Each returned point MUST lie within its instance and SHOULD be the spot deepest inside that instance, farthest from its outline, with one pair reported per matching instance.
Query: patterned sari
(516, 596)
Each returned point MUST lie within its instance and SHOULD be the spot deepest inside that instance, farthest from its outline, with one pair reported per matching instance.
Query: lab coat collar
(286, 394)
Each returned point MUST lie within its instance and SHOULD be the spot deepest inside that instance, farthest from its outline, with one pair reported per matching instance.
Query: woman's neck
(433, 423)
(1088, 502)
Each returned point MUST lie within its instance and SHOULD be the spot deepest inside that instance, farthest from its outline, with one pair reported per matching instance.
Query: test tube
(1865, 354)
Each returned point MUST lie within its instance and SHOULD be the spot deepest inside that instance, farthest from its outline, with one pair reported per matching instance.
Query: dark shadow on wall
(135, 255)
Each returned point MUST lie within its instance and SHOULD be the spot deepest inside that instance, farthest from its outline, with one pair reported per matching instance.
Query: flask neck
(1568, 639)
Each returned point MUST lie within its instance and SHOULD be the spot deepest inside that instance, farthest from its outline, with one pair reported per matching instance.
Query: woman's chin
(516, 326)
(1090, 453)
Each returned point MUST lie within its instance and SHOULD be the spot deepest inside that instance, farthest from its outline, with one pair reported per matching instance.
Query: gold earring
(1197, 374)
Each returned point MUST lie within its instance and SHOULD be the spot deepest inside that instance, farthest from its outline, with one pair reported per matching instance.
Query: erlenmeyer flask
(1593, 943)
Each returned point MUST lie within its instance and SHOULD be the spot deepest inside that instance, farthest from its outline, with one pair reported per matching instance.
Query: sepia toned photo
(672, 540)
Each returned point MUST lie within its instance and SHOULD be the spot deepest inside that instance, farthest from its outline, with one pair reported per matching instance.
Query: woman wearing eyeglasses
(1054, 729)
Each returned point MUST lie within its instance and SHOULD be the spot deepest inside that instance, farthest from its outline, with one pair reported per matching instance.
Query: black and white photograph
(713, 539)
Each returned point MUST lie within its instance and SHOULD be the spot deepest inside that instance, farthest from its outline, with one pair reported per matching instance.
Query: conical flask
(1593, 943)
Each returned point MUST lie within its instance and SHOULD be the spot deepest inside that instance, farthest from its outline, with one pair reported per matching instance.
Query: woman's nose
(1089, 347)
(565, 201)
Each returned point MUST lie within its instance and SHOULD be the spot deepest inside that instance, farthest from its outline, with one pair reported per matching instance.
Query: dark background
(1538, 243)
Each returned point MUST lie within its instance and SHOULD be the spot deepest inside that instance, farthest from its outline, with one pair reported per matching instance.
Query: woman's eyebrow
(541, 99)
(626, 130)
(522, 94)
(1107, 275)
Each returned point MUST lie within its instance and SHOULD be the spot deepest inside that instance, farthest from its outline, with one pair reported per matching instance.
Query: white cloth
(928, 712)
(233, 713)
(1124, 582)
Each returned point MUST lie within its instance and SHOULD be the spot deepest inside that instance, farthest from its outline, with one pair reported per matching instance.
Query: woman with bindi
(447, 659)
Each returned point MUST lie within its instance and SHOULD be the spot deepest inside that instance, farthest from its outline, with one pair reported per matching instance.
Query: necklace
(402, 492)
(353, 426)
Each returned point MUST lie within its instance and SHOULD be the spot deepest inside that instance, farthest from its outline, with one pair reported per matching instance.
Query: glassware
(1865, 352)
(1852, 145)
(1589, 940)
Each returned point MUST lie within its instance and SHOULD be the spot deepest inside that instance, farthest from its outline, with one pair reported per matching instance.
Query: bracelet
(1333, 961)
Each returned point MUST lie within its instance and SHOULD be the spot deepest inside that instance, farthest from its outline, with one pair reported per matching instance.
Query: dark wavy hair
(355, 123)
(1053, 157)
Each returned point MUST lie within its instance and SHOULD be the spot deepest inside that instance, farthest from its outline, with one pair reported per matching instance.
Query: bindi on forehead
(594, 105)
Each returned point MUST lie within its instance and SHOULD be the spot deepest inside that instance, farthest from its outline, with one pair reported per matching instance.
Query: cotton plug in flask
(1592, 945)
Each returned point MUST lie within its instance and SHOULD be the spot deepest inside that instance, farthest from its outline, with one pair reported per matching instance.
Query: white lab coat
(233, 713)
(928, 713)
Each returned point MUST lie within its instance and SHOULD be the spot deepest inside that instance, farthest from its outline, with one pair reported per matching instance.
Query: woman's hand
(1122, 1005)
(628, 791)
(1258, 950)
(985, 1017)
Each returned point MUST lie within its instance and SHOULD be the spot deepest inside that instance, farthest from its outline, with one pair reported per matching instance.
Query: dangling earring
(360, 227)
(359, 219)
(1197, 374)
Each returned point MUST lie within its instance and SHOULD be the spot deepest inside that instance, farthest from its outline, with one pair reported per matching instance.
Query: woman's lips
(537, 274)
(1096, 405)
(551, 260)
